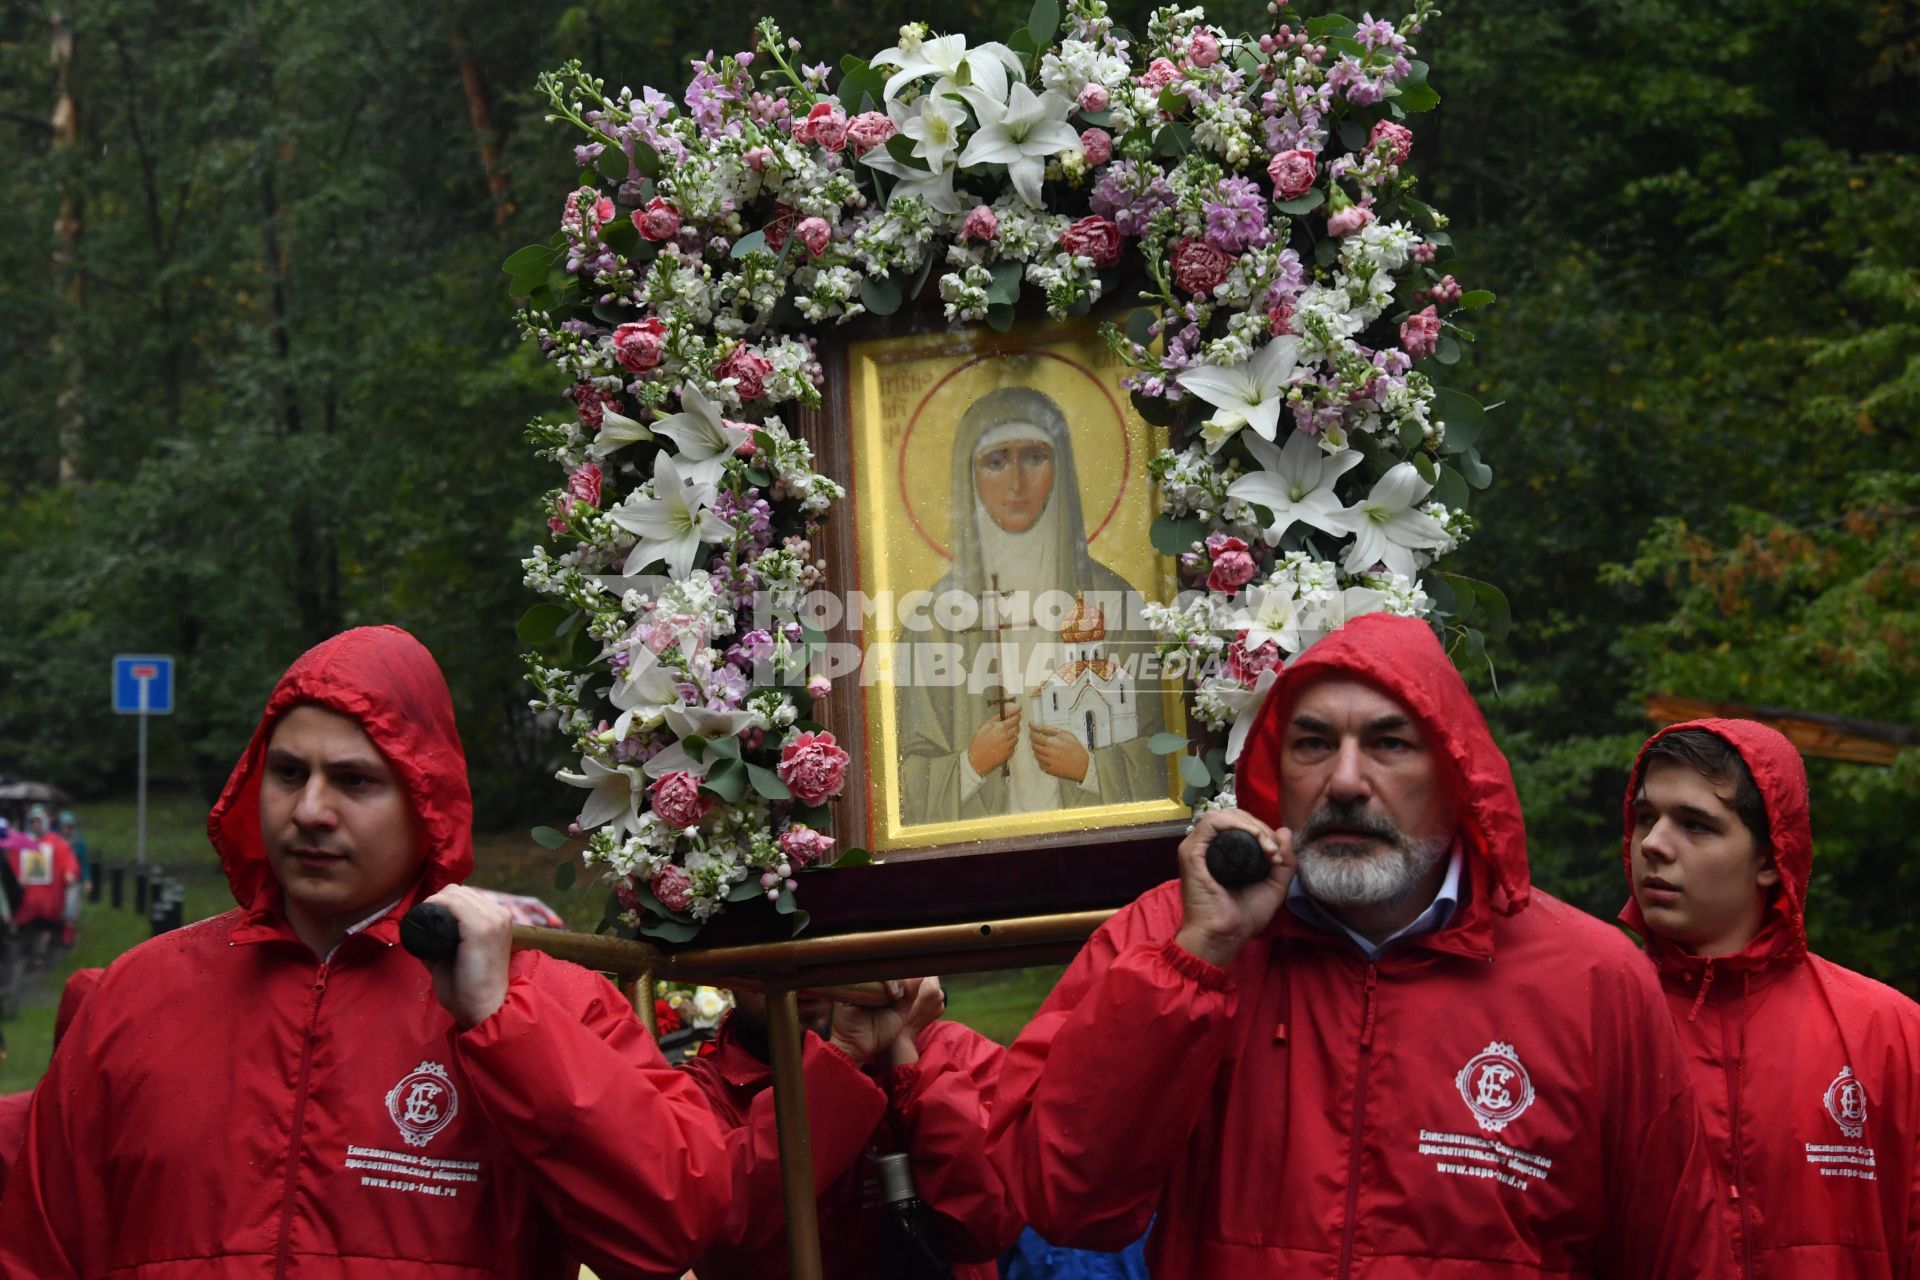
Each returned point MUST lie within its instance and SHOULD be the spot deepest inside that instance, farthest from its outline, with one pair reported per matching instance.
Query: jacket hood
(387, 681)
(1782, 778)
(1402, 658)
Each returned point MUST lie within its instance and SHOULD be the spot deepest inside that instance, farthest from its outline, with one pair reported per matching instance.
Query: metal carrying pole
(796, 1137)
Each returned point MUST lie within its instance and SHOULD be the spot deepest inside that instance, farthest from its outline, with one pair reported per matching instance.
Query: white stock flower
(705, 439)
(1020, 133)
(613, 794)
(1250, 394)
(1388, 527)
(1296, 484)
(948, 57)
(673, 523)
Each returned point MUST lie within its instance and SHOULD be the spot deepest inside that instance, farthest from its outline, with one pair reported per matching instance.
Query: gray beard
(1379, 879)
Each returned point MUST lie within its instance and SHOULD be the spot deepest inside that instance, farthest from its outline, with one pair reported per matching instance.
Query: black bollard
(118, 876)
(140, 881)
(177, 909)
(95, 874)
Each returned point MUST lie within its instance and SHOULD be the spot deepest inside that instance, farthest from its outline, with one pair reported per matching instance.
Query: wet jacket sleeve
(49, 1223)
(940, 1106)
(1101, 1092)
(843, 1108)
(581, 1094)
(1664, 1220)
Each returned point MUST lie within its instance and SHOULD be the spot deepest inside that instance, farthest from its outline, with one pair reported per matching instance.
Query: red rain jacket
(1808, 1074)
(228, 1105)
(1499, 1099)
(46, 867)
(14, 1106)
(933, 1109)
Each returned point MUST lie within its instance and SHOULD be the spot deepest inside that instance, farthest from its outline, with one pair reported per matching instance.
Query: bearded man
(1390, 1058)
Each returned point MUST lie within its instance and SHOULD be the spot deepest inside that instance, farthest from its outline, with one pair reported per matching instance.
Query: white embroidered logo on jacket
(1847, 1103)
(1495, 1086)
(423, 1103)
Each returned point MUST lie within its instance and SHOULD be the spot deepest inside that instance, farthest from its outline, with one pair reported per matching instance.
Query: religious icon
(1003, 504)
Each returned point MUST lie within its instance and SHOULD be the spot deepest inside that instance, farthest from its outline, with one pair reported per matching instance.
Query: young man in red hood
(282, 1091)
(1808, 1074)
(1392, 1058)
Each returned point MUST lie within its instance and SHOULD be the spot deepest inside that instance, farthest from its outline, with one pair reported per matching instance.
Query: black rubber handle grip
(1235, 859)
(430, 932)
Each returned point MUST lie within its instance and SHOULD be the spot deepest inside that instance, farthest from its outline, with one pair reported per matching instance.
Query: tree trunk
(480, 112)
(69, 410)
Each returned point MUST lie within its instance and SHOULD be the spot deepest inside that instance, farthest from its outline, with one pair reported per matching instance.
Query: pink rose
(1093, 237)
(981, 223)
(1098, 144)
(804, 846)
(1398, 137)
(658, 221)
(1231, 571)
(819, 687)
(1093, 98)
(674, 888)
(1292, 173)
(868, 130)
(1280, 319)
(816, 234)
(1159, 74)
(784, 221)
(1247, 666)
(813, 766)
(749, 370)
(584, 484)
(1350, 219)
(1421, 333)
(678, 800)
(826, 125)
(638, 345)
(1199, 268)
(1203, 49)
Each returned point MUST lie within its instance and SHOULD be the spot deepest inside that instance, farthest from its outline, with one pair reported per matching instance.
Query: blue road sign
(135, 673)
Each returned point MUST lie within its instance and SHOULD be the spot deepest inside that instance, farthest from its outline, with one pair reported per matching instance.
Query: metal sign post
(142, 686)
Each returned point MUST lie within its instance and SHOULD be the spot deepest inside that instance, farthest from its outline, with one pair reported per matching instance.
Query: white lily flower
(1250, 394)
(933, 123)
(1268, 613)
(948, 57)
(1244, 703)
(613, 795)
(617, 431)
(1388, 528)
(1020, 133)
(705, 439)
(935, 187)
(1296, 484)
(643, 692)
(673, 523)
(687, 721)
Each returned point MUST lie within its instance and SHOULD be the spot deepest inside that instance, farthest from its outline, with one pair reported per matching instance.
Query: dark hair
(1714, 758)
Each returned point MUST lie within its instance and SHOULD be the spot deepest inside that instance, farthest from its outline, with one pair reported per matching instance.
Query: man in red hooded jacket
(1391, 1058)
(921, 1090)
(282, 1091)
(1808, 1074)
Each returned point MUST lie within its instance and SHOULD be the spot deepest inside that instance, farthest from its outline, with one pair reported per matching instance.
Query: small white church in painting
(1089, 696)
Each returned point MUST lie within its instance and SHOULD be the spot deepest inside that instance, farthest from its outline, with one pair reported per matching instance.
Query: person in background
(1808, 1074)
(881, 1081)
(50, 875)
(68, 825)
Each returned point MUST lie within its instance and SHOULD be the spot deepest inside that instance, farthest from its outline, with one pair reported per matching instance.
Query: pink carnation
(826, 125)
(813, 766)
(1398, 137)
(1292, 173)
(1246, 666)
(1280, 320)
(658, 221)
(1093, 98)
(678, 800)
(981, 224)
(1421, 333)
(1349, 220)
(584, 484)
(1199, 268)
(1093, 237)
(1203, 49)
(749, 370)
(1098, 144)
(819, 687)
(674, 888)
(868, 130)
(1231, 571)
(591, 403)
(1159, 74)
(638, 344)
(804, 846)
(816, 234)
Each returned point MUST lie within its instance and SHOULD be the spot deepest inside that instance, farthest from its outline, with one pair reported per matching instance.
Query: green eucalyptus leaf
(1303, 204)
(1000, 317)
(1165, 744)
(800, 922)
(1417, 97)
(1006, 282)
(534, 259)
(1474, 299)
(1043, 22)
(1423, 463)
(851, 858)
(1477, 473)
(728, 781)
(1173, 140)
(752, 242)
(1450, 489)
(1140, 325)
(767, 783)
(669, 930)
(548, 837)
(880, 294)
(646, 159)
(1171, 537)
(1448, 350)
(723, 748)
(541, 623)
(1463, 416)
(612, 164)
(1193, 772)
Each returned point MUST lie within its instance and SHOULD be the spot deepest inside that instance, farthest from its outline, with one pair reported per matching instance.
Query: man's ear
(1769, 874)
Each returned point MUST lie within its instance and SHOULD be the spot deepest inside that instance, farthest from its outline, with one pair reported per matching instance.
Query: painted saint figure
(1046, 709)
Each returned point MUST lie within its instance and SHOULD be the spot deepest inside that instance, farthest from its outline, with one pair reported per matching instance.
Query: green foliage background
(277, 360)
